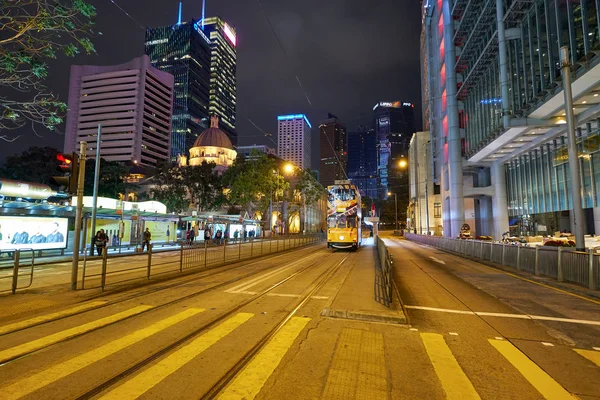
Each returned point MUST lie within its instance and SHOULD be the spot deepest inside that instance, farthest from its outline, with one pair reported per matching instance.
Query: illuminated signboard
(395, 104)
(157, 41)
(294, 116)
(37, 233)
(198, 29)
(230, 35)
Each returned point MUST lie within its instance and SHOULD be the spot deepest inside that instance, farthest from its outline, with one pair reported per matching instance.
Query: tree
(307, 185)
(203, 185)
(169, 188)
(32, 32)
(112, 179)
(36, 164)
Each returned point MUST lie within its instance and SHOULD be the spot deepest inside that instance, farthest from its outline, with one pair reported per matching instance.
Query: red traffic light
(61, 157)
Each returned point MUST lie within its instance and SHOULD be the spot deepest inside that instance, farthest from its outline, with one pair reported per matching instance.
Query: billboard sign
(38, 233)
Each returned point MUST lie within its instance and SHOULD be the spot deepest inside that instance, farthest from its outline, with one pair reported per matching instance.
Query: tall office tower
(293, 139)
(132, 102)
(362, 160)
(394, 127)
(334, 150)
(184, 51)
(223, 80)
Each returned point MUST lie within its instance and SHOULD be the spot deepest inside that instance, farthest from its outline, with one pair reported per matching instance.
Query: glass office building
(493, 93)
(362, 161)
(184, 51)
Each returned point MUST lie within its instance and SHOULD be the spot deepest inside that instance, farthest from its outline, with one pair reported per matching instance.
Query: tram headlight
(341, 237)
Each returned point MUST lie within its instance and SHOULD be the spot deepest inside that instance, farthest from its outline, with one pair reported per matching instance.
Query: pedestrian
(168, 235)
(192, 235)
(235, 235)
(146, 239)
(245, 235)
(206, 235)
(219, 236)
(99, 242)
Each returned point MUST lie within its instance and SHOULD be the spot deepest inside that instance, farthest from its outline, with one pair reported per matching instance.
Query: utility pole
(573, 157)
(78, 215)
(95, 198)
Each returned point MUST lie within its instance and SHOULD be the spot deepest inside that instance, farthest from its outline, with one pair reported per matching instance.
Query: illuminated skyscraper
(293, 139)
(184, 51)
(333, 149)
(223, 81)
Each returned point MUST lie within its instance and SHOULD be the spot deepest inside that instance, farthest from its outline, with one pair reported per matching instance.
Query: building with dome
(212, 145)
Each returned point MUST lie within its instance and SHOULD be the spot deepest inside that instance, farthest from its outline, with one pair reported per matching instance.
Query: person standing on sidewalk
(147, 238)
(100, 242)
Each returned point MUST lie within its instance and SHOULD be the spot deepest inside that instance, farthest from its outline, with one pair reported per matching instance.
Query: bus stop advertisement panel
(37, 233)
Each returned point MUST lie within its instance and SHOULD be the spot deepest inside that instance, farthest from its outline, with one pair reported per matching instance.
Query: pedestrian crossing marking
(37, 344)
(32, 383)
(540, 380)
(453, 379)
(593, 356)
(146, 380)
(43, 318)
(250, 381)
(358, 367)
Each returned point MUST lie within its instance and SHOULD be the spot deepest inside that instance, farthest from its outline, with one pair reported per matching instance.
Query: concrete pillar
(597, 220)
(499, 201)
(454, 143)
(284, 216)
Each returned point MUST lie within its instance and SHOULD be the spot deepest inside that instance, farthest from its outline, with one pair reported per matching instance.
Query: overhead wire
(129, 15)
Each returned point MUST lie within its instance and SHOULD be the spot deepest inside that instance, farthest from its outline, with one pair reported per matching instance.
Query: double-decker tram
(343, 216)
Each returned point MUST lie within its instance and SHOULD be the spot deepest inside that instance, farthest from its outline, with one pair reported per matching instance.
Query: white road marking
(277, 294)
(320, 297)
(596, 348)
(547, 344)
(499, 338)
(283, 294)
(414, 329)
(453, 334)
(253, 282)
(502, 315)
(438, 260)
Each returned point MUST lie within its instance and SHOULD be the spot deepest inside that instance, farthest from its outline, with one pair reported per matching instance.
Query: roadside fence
(384, 274)
(189, 256)
(19, 275)
(561, 263)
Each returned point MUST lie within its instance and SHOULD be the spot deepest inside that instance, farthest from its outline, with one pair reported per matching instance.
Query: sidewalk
(356, 298)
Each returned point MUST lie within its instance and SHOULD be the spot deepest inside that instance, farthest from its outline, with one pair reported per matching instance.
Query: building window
(437, 210)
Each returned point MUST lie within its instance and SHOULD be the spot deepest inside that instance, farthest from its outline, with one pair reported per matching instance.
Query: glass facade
(223, 81)
(183, 50)
(362, 161)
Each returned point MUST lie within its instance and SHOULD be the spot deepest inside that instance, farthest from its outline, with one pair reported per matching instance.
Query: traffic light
(68, 167)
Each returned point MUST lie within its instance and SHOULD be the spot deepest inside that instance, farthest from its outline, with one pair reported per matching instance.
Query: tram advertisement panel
(37, 233)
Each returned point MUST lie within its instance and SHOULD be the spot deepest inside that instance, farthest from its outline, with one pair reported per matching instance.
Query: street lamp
(288, 168)
(395, 207)
(402, 163)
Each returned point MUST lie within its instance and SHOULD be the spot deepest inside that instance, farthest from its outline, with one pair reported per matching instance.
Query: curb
(399, 319)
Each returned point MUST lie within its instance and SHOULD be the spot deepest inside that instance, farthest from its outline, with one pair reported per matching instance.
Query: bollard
(181, 258)
(559, 272)
(592, 280)
(149, 259)
(15, 277)
(103, 275)
(536, 269)
(519, 258)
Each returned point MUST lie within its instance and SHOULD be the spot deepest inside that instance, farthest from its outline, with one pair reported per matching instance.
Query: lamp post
(395, 207)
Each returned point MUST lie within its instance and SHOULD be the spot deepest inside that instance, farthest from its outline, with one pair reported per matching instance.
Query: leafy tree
(36, 164)
(310, 190)
(169, 189)
(32, 32)
(112, 179)
(203, 185)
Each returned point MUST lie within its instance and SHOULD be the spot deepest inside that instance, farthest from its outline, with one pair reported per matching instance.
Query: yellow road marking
(548, 387)
(140, 384)
(358, 368)
(30, 384)
(43, 318)
(451, 376)
(593, 356)
(25, 348)
(250, 381)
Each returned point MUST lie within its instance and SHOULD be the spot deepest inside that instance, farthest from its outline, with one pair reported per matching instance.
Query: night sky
(347, 54)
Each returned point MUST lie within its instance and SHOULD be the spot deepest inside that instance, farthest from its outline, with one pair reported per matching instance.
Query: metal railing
(13, 272)
(561, 263)
(113, 269)
(384, 274)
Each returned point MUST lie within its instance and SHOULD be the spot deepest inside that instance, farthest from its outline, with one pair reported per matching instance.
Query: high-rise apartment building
(394, 127)
(133, 104)
(223, 79)
(184, 51)
(333, 150)
(294, 139)
(362, 161)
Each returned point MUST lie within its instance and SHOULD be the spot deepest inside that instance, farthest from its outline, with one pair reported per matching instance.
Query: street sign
(135, 211)
(119, 210)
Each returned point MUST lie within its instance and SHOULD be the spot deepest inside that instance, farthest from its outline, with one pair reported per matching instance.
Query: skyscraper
(362, 160)
(293, 139)
(133, 103)
(223, 80)
(394, 127)
(333, 149)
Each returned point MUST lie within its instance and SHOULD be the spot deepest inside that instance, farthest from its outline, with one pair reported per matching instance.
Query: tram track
(315, 285)
(209, 272)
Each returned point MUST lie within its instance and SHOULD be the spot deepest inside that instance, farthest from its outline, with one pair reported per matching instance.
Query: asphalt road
(255, 330)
